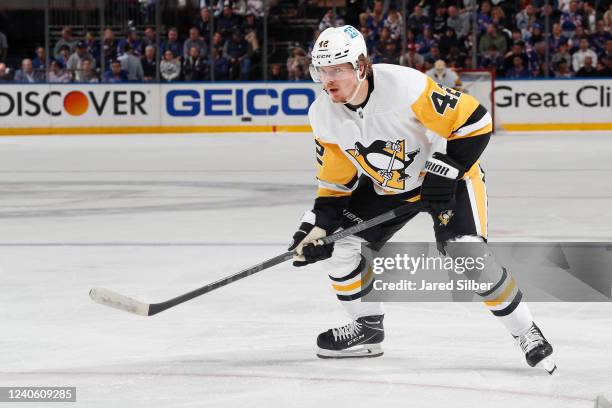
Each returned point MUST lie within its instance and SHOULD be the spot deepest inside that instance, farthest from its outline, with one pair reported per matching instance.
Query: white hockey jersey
(406, 119)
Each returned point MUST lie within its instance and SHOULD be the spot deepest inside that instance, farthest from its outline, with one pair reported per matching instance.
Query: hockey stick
(113, 299)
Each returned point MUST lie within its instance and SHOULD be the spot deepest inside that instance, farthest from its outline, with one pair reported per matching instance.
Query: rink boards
(233, 107)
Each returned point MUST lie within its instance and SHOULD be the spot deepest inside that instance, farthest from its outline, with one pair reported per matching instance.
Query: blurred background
(254, 40)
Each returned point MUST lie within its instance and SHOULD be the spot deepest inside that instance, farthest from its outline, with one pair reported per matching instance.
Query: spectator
(602, 70)
(221, 65)
(132, 39)
(330, 20)
(574, 39)
(370, 43)
(425, 41)
(172, 44)
(149, 64)
(459, 22)
(381, 45)
(563, 70)
(484, 17)
(109, 46)
(561, 55)
(557, 38)
(170, 67)
(498, 17)
(297, 65)
(516, 51)
(607, 17)
(276, 73)
(375, 19)
(525, 19)
(195, 40)
(39, 63)
(448, 41)
(553, 15)
(571, 18)
(64, 55)
(580, 55)
(518, 70)
(250, 24)
(65, 40)
(204, 23)
(433, 55)
(194, 66)
(5, 73)
(389, 54)
(3, 47)
(92, 46)
(443, 75)
(587, 70)
(237, 52)
(115, 74)
(87, 72)
(57, 74)
(600, 37)
(131, 63)
(493, 59)
(228, 23)
(394, 23)
(26, 74)
(438, 22)
(148, 39)
(412, 59)
(75, 62)
(492, 37)
(589, 17)
(417, 20)
(608, 53)
(535, 34)
(218, 41)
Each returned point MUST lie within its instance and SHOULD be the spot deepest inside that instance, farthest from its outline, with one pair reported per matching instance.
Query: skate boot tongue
(346, 332)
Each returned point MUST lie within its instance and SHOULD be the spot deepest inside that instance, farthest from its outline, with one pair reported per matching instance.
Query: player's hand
(307, 243)
(440, 183)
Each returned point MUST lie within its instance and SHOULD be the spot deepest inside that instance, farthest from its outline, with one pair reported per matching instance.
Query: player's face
(339, 81)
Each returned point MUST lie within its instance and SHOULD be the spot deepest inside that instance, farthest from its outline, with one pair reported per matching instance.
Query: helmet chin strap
(360, 81)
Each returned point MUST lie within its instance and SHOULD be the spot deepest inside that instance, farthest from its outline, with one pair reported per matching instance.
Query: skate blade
(549, 365)
(362, 351)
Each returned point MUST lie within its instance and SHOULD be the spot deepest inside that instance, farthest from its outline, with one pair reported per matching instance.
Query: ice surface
(154, 216)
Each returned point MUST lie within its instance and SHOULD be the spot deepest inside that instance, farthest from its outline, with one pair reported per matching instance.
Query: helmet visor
(331, 73)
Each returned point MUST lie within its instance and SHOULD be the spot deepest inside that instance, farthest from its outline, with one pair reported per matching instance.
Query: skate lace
(531, 339)
(347, 331)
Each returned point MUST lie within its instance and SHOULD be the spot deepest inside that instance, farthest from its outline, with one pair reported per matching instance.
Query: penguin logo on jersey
(386, 162)
(445, 217)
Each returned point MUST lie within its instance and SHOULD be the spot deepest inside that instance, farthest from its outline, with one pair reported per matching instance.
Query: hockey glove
(440, 183)
(306, 242)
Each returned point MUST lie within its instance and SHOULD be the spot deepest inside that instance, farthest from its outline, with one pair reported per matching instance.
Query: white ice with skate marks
(155, 216)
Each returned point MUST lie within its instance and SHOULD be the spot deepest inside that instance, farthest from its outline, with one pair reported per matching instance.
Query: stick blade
(115, 300)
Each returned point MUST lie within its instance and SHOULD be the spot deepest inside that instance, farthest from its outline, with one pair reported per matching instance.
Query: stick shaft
(121, 302)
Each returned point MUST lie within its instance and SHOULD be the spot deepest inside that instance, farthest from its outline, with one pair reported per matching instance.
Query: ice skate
(537, 349)
(360, 338)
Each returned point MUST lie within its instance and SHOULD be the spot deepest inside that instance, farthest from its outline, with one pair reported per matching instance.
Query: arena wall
(27, 109)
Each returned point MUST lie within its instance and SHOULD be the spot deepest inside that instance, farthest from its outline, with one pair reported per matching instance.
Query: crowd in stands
(184, 55)
(511, 36)
(512, 40)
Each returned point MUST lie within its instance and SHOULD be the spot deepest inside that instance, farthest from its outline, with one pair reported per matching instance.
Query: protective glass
(333, 73)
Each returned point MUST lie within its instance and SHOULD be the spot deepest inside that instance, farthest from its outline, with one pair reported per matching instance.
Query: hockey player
(386, 135)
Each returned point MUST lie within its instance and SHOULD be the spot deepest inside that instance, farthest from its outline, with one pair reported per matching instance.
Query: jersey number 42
(447, 100)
